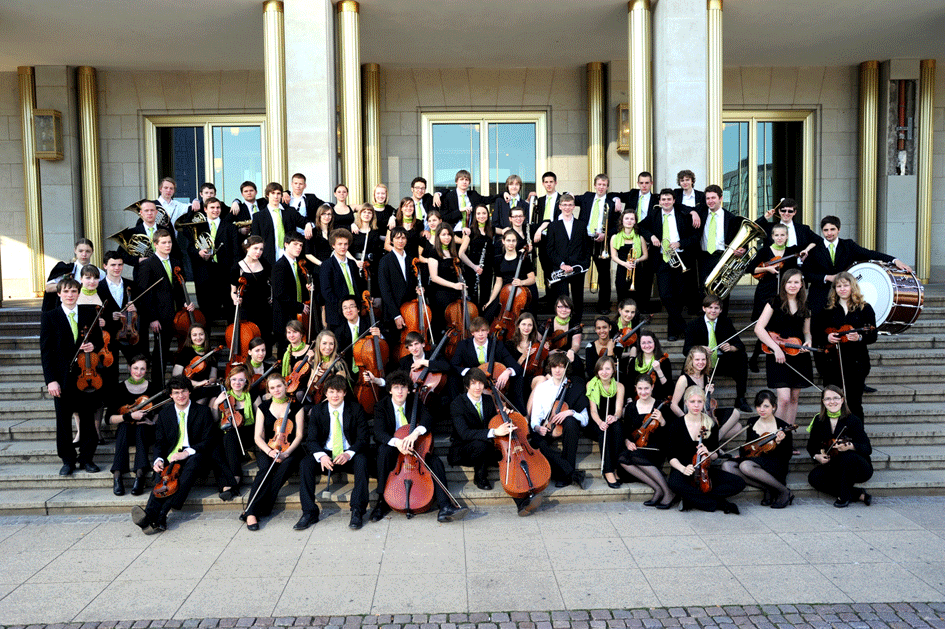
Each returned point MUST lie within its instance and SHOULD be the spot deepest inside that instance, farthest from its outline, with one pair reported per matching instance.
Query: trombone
(604, 251)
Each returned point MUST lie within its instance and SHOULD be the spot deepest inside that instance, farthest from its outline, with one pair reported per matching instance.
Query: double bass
(409, 486)
(523, 470)
(459, 315)
(184, 318)
(240, 333)
(416, 315)
(516, 299)
(370, 355)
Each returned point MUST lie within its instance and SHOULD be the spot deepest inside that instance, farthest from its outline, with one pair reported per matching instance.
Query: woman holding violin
(477, 253)
(766, 454)
(695, 373)
(506, 267)
(629, 252)
(605, 402)
(407, 219)
(383, 211)
(602, 346)
(789, 368)
(326, 351)
(644, 429)
(524, 346)
(563, 334)
(204, 372)
(132, 427)
(841, 449)
(445, 285)
(767, 267)
(83, 257)
(254, 294)
(691, 445)
(235, 412)
(256, 361)
(364, 232)
(846, 328)
(89, 296)
(278, 433)
(298, 352)
(651, 360)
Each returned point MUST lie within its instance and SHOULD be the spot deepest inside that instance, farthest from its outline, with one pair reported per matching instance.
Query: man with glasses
(799, 234)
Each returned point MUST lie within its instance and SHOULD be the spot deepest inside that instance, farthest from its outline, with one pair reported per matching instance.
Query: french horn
(163, 220)
(137, 245)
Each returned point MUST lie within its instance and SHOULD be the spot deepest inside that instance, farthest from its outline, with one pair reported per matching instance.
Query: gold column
(349, 71)
(924, 146)
(277, 157)
(596, 158)
(714, 81)
(33, 201)
(640, 87)
(372, 126)
(869, 145)
(88, 148)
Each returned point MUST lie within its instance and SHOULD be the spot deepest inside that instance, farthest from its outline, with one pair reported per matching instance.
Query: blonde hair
(856, 301)
(688, 367)
(707, 422)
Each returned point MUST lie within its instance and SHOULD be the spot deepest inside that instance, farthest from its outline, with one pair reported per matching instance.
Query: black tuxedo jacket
(56, 345)
(312, 203)
(353, 424)
(465, 356)
(540, 209)
(450, 204)
(500, 217)
(334, 288)
(818, 265)
(396, 290)
(343, 334)
(438, 365)
(284, 303)
(228, 252)
(245, 214)
(697, 333)
(467, 425)
(688, 237)
(166, 298)
(426, 199)
(632, 198)
(584, 204)
(700, 199)
(132, 261)
(385, 420)
(805, 235)
(111, 306)
(262, 226)
(571, 251)
(200, 429)
(730, 225)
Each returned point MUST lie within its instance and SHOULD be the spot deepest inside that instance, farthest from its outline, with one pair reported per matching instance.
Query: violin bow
(86, 337)
(159, 280)
(803, 376)
(727, 441)
(503, 400)
(437, 479)
(843, 377)
(712, 349)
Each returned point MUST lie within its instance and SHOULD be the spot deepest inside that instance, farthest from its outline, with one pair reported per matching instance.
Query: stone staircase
(905, 420)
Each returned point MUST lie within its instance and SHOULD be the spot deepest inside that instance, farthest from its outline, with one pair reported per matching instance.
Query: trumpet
(137, 245)
(560, 274)
(633, 270)
(676, 262)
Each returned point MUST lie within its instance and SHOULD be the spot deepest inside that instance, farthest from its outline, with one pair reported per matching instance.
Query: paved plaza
(580, 566)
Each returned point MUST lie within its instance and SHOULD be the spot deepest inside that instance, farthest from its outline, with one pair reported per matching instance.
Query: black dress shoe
(307, 520)
(139, 517)
(483, 483)
(528, 505)
(578, 477)
(781, 503)
(866, 499)
(766, 501)
(652, 502)
(867, 389)
(615, 484)
(730, 508)
(66, 469)
(227, 495)
(357, 521)
(92, 468)
(380, 510)
(664, 506)
(562, 483)
(672, 337)
(449, 513)
(138, 487)
(742, 405)
(841, 504)
(252, 527)
(118, 487)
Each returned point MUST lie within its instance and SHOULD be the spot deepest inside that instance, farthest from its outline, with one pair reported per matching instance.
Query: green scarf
(562, 322)
(287, 359)
(254, 364)
(644, 368)
(814, 418)
(133, 381)
(88, 292)
(280, 400)
(198, 348)
(595, 390)
(833, 415)
(778, 249)
(248, 418)
(621, 238)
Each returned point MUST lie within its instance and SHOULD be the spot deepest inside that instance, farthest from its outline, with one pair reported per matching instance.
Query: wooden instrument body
(523, 470)
(410, 487)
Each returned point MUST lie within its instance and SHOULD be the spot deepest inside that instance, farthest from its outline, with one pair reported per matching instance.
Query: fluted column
(596, 160)
(91, 170)
(640, 81)
(923, 159)
(371, 77)
(868, 160)
(349, 71)
(31, 192)
(714, 79)
(274, 63)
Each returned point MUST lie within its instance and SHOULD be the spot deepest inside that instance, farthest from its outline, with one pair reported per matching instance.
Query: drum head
(877, 288)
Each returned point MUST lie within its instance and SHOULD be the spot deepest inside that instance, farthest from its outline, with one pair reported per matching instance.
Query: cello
(409, 487)
(416, 315)
(239, 333)
(523, 470)
(370, 355)
(184, 318)
(425, 381)
(516, 299)
(458, 315)
(558, 406)
(492, 369)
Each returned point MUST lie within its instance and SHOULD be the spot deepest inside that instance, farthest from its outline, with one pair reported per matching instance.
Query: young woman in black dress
(526, 335)
(478, 245)
(840, 468)
(767, 471)
(383, 212)
(237, 388)
(628, 250)
(269, 417)
(195, 345)
(132, 428)
(365, 228)
(318, 250)
(605, 402)
(506, 264)
(788, 316)
(683, 444)
(647, 465)
(650, 360)
(256, 304)
(767, 287)
(602, 346)
(695, 373)
(846, 364)
(344, 214)
(407, 219)
(445, 287)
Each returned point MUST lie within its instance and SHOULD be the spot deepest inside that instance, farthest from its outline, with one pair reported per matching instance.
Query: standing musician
(244, 211)
(847, 363)
(278, 442)
(688, 197)
(62, 270)
(650, 360)
(211, 267)
(600, 347)
(459, 202)
(147, 225)
(719, 227)
(696, 435)
(275, 223)
(639, 200)
(503, 207)
(391, 414)
(671, 233)
(545, 415)
(479, 244)
(838, 443)
(505, 267)
(173, 208)
(568, 248)
(344, 213)
(184, 435)
(60, 340)
(397, 284)
(304, 203)
(832, 255)
(116, 293)
(423, 201)
(406, 218)
(629, 252)
(365, 229)
(472, 352)
(787, 315)
(605, 402)
(256, 302)
(767, 287)
(383, 211)
(338, 276)
(599, 214)
(290, 286)
(696, 373)
(236, 439)
(647, 465)
(136, 427)
(716, 332)
(547, 210)
(445, 285)
(337, 438)
(799, 235)
(768, 470)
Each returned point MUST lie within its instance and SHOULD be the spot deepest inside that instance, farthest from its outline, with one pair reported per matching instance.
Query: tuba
(163, 220)
(137, 245)
(730, 268)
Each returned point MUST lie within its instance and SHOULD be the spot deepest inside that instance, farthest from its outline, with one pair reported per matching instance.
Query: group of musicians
(309, 276)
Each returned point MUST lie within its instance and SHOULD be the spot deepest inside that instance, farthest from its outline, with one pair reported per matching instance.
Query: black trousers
(562, 461)
(614, 445)
(734, 365)
(479, 454)
(142, 436)
(262, 497)
(85, 404)
(191, 468)
(233, 454)
(724, 485)
(162, 349)
(642, 286)
(387, 461)
(840, 474)
(310, 470)
(603, 283)
(670, 283)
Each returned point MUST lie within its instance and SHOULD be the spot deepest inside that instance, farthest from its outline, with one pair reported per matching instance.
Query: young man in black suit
(423, 201)
(799, 234)
(60, 340)
(600, 212)
(679, 236)
(274, 223)
(398, 285)
(305, 203)
(458, 203)
(338, 276)
(729, 357)
(244, 209)
(212, 267)
(336, 439)
(832, 255)
(183, 433)
(353, 326)
(687, 196)
(289, 288)
(147, 226)
(501, 220)
(547, 210)
(391, 414)
(719, 228)
(472, 352)
(567, 248)
(116, 292)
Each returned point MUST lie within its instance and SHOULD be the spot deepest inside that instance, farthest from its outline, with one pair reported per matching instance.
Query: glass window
(735, 188)
(511, 152)
(180, 154)
(237, 157)
(455, 147)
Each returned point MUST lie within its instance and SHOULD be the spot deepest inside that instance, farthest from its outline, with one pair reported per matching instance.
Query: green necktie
(832, 252)
(462, 207)
(344, 269)
(713, 343)
(280, 230)
(181, 431)
(401, 417)
(167, 269)
(74, 325)
(640, 216)
(592, 225)
(337, 442)
(213, 237)
(354, 335)
(481, 353)
(711, 237)
(479, 408)
(150, 233)
(549, 207)
(665, 243)
(298, 284)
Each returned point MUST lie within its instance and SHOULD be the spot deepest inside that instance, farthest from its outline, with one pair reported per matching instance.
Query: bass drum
(895, 295)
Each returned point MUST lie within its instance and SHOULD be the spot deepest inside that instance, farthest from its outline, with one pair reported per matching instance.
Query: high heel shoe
(766, 501)
(615, 484)
(663, 506)
(784, 502)
(866, 498)
(652, 502)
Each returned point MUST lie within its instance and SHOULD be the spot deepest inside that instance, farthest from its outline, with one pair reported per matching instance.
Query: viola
(764, 443)
(523, 470)
(280, 439)
(128, 333)
(700, 477)
(416, 315)
(649, 425)
(315, 390)
(89, 379)
(628, 336)
(426, 381)
(240, 333)
(777, 262)
(844, 331)
(199, 364)
(370, 355)
(458, 315)
(558, 406)
(184, 318)
(791, 345)
(516, 299)
(170, 476)
(410, 486)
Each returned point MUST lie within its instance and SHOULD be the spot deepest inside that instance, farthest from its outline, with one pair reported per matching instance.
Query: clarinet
(482, 262)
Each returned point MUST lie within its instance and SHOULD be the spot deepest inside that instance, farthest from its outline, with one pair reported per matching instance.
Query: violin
(89, 379)
(537, 353)
(240, 333)
(559, 340)
(257, 378)
(315, 390)
(306, 319)
(458, 315)
(199, 364)
(523, 470)
(143, 403)
(641, 436)
(229, 416)
(416, 315)
(301, 368)
(370, 354)
(844, 331)
(280, 439)
(628, 336)
(558, 406)
(776, 262)
(516, 299)
(128, 333)
(832, 445)
(652, 372)
(409, 486)
(106, 356)
(764, 443)
(170, 477)
(700, 477)
(425, 381)
(791, 345)
(184, 318)
(491, 368)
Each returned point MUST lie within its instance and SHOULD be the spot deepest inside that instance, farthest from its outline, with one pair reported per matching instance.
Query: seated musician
(475, 351)
(573, 421)
(353, 326)
(625, 321)
(237, 440)
(506, 265)
(337, 438)
(646, 465)
(326, 351)
(565, 326)
(417, 360)
(136, 427)
(728, 356)
(602, 346)
(391, 414)
(289, 287)
(183, 434)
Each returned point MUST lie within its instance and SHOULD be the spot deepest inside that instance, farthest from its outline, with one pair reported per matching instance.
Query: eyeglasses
(833, 399)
